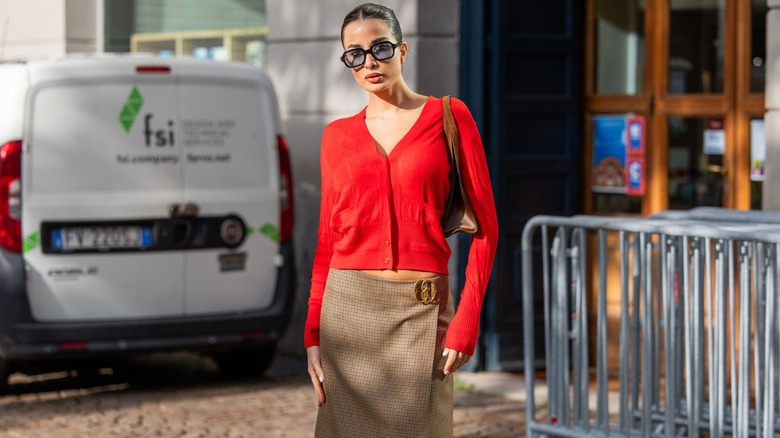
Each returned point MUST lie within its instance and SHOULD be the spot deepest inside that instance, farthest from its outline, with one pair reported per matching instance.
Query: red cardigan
(384, 212)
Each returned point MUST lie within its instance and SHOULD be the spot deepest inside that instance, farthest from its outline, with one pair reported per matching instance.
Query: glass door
(616, 86)
(692, 70)
(696, 168)
(697, 104)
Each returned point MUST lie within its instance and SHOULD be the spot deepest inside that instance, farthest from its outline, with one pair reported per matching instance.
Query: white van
(145, 204)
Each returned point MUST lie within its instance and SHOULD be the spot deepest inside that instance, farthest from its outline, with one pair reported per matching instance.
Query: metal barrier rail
(698, 343)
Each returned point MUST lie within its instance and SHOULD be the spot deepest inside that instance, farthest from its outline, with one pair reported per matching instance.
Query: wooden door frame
(736, 104)
(749, 105)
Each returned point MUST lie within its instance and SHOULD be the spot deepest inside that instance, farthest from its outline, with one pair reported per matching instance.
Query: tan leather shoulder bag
(458, 215)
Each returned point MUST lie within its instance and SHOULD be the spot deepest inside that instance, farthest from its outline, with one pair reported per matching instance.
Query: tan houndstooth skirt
(381, 344)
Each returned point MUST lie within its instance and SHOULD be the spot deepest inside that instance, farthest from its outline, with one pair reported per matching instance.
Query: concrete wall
(83, 26)
(772, 118)
(32, 32)
(50, 28)
(315, 88)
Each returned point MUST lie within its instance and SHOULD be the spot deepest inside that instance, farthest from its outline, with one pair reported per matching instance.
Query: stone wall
(772, 117)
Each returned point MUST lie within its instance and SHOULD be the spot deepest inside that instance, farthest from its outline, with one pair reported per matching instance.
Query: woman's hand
(315, 372)
(455, 360)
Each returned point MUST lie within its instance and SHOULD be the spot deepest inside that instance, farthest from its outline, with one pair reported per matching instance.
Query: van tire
(5, 373)
(245, 362)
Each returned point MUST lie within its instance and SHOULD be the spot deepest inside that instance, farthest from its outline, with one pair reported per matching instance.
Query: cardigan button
(387, 243)
(387, 260)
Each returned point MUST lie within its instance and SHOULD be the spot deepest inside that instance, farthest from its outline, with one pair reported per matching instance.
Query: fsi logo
(134, 103)
(158, 137)
(162, 137)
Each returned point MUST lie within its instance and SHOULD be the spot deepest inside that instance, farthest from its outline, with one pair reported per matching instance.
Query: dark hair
(372, 10)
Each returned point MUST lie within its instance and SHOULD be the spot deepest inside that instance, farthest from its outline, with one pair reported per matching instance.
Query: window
(696, 46)
(697, 79)
(620, 46)
(210, 29)
(758, 46)
(246, 45)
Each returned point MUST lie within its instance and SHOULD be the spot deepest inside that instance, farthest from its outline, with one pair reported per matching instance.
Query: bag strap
(451, 133)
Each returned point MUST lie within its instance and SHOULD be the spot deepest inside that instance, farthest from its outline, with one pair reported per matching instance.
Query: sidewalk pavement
(184, 395)
(504, 384)
(510, 385)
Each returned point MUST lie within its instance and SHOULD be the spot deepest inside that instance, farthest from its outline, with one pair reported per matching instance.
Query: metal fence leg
(742, 418)
(602, 379)
(528, 319)
(666, 263)
(771, 339)
(637, 324)
(648, 340)
(719, 384)
(689, 291)
(579, 328)
(760, 259)
(559, 403)
(626, 414)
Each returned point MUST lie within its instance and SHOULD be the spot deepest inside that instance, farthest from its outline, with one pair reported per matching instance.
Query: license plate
(101, 237)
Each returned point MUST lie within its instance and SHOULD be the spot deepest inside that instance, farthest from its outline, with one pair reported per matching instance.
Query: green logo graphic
(270, 231)
(30, 242)
(134, 103)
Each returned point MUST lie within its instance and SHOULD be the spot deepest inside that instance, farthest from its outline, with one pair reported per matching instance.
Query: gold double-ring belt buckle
(425, 291)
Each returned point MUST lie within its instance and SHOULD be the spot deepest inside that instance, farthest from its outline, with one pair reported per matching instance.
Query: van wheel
(245, 362)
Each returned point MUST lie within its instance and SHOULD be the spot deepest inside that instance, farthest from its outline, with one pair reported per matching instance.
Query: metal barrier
(695, 345)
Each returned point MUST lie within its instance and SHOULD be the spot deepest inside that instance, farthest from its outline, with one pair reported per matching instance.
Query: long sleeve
(464, 328)
(322, 255)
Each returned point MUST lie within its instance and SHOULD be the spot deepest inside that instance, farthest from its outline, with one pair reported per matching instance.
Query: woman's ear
(404, 50)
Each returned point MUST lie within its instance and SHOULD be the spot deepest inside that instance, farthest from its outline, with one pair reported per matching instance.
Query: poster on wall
(757, 149)
(619, 154)
(714, 137)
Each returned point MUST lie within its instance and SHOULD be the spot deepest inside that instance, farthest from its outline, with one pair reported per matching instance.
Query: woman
(379, 355)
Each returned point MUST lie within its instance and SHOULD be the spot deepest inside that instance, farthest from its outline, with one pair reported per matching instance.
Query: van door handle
(189, 209)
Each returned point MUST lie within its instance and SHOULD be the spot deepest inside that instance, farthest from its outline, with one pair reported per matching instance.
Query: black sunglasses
(354, 58)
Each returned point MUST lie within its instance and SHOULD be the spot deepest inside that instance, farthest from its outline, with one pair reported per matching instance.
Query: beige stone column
(32, 32)
(771, 200)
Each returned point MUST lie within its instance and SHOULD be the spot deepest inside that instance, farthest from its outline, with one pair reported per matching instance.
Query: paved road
(184, 395)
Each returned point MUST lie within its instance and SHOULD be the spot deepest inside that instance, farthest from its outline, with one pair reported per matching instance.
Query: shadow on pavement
(160, 370)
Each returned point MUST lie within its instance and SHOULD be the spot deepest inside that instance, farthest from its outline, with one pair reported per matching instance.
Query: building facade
(547, 83)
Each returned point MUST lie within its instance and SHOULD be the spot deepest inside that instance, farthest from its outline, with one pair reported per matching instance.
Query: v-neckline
(402, 141)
